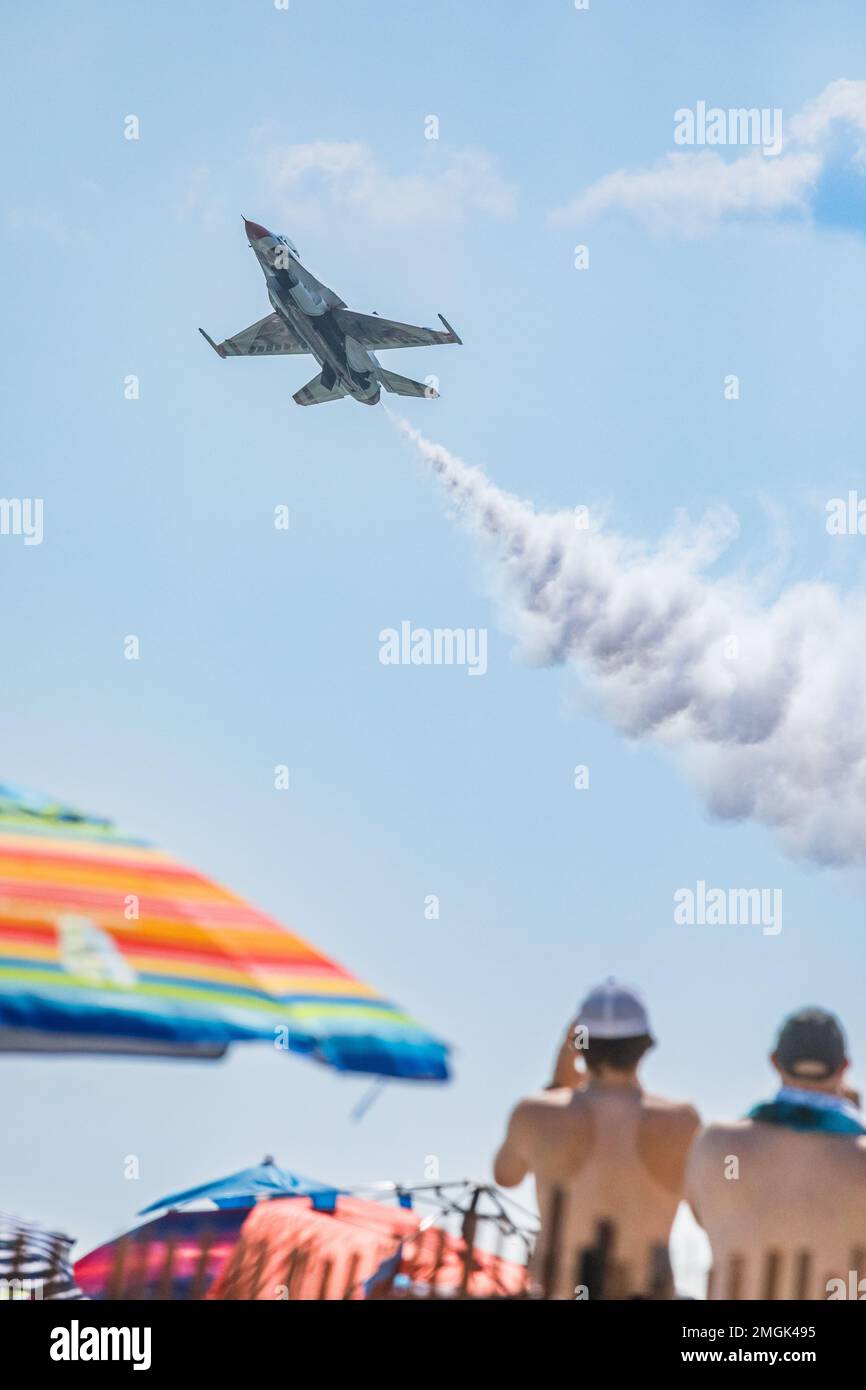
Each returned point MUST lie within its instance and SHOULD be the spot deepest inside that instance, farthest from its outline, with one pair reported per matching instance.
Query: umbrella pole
(370, 1095)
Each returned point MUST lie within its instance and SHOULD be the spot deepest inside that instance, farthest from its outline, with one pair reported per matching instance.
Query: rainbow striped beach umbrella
(107, 944)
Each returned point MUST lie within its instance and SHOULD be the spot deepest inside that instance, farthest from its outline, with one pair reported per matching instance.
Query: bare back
(760, 1189)
(614, 1154)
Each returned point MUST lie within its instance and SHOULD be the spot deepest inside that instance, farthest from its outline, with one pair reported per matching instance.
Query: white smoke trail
(766, 703)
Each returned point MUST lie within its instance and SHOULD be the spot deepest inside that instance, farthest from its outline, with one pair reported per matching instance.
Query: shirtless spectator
(612, 1152)
(789, 1181)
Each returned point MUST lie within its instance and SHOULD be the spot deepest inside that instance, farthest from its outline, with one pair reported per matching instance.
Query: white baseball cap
(613, 1010)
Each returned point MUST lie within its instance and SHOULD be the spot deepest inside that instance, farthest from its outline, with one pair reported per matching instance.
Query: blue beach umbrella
(245, 1188)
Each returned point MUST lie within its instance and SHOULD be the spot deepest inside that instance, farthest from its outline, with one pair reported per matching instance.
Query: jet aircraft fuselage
(310, 318)
(306, 307)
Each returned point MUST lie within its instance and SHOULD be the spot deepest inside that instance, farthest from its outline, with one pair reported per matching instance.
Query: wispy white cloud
(348, 177)
(688, 191)
(842, 103)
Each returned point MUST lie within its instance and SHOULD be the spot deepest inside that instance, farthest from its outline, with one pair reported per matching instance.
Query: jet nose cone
(255, 232)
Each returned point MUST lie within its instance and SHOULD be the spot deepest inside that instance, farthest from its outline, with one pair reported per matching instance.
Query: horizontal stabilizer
(314, 393)
(404, 385)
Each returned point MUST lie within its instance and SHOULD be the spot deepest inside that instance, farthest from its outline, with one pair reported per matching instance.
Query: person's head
(612, 1031)
(811, 1051)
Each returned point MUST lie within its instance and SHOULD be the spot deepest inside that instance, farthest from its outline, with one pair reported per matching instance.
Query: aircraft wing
(374, 332)
(270, 335)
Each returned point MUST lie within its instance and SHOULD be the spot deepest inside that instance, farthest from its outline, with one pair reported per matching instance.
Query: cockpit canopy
(287, 242)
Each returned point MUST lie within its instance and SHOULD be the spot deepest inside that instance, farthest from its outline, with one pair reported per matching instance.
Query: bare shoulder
(720, 1137)
(543, 1102)
(722, 1130)
(547, 1112)
(677, 1114)
(667, 1128)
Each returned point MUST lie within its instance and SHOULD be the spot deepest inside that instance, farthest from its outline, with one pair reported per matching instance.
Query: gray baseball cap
(612, 1011)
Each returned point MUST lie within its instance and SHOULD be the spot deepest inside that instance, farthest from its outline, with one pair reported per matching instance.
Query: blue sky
(259, 647)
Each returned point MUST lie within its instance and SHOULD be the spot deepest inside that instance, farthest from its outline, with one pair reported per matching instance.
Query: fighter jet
(310, 318)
